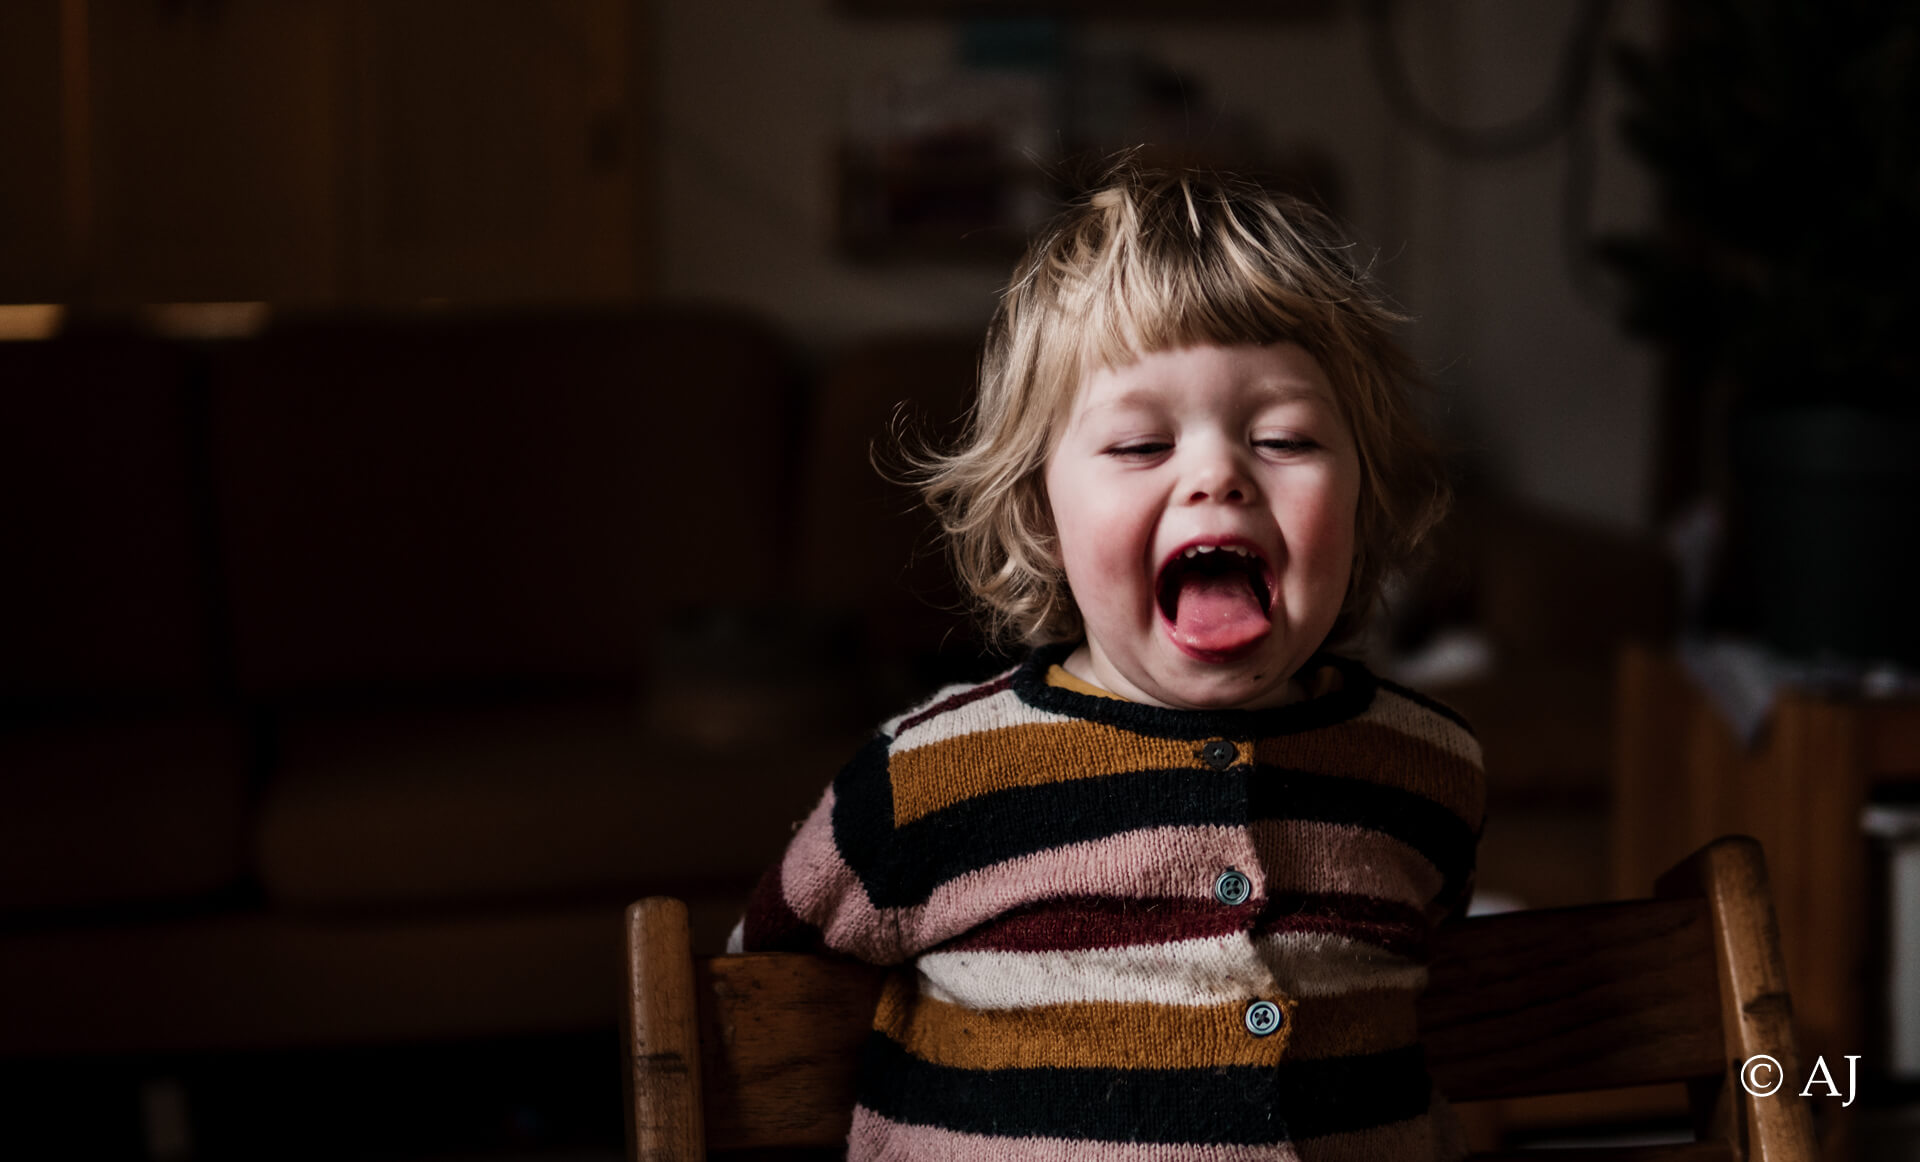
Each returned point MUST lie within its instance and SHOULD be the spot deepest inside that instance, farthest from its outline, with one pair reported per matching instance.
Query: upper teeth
(1198, 549)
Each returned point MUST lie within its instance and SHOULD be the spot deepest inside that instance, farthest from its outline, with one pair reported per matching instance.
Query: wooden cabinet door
(219, 150)
(322, 153)
(496, 147)
(39, 261)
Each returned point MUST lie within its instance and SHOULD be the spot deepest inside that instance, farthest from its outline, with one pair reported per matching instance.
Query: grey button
(1263, 1018)
(1232, 888)
(1219, 754)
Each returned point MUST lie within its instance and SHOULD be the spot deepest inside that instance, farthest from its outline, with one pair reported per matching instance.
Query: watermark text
(1762, 1076)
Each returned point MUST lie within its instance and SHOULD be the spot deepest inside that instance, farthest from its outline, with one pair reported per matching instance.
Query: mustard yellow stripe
(1059, 676)
(928, 778)
(1384, 756)
(1318, 684)
(1076, 1036)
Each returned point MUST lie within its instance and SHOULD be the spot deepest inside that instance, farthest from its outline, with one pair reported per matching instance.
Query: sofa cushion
(257, 981)
(524, 801)
(109, 812)
(493, 500)
(102, 594)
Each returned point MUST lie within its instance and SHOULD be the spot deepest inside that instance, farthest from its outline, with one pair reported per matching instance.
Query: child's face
(1239, 455)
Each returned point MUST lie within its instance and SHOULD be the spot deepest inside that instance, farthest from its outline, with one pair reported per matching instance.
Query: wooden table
(1681, 777)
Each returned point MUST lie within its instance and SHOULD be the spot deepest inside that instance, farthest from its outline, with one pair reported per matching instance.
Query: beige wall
(1541, 386)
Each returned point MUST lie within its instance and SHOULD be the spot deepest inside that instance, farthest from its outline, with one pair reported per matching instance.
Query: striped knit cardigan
(1141, 933)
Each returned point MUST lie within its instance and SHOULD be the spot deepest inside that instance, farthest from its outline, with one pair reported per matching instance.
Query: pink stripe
(1177, 862)
(1171, 862)
(824, 891)
(1347, 860)
(878, 1139)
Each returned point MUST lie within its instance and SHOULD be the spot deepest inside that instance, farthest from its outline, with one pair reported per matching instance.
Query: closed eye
(1140, 450)
(1286, 444)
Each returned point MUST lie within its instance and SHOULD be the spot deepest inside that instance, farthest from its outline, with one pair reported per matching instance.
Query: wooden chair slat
(1564, 1000)
(779, 1044)
(759, 1053)
(1757, 1012)
(664, 1117)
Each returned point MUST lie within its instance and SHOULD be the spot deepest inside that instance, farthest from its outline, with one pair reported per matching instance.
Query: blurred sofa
(353, 676)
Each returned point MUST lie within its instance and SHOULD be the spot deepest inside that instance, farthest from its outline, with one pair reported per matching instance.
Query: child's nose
(1225, 493)
(1218, 477)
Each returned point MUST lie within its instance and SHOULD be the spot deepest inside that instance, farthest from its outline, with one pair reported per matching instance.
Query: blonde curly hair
(1155, 260)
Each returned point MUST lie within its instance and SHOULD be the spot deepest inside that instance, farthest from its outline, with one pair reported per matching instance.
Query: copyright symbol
(1761, 1076)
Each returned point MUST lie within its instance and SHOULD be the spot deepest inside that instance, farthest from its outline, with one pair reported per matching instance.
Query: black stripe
(863, 811)
(1433, 704)
(1241, 1104)
(988, 829)
(991, 828)
(1419, 822)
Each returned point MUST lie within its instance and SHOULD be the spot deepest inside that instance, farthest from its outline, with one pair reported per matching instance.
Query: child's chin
(1222, 691)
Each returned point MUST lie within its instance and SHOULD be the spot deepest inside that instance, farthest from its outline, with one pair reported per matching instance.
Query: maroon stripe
(1072, 923)
(1388, 924)
(954, 702)
(771, 925)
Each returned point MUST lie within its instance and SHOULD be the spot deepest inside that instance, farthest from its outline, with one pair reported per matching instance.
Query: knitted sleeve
(820, 896)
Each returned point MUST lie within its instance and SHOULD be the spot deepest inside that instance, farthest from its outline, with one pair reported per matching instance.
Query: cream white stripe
(1320, 964)
(1210, 971)
(877, 1139)
(990, 713)
(892, 725)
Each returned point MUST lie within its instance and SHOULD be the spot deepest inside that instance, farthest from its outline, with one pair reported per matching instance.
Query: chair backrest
(759, 1051)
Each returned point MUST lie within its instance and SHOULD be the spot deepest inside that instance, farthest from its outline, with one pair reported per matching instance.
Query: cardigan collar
(1357, 687)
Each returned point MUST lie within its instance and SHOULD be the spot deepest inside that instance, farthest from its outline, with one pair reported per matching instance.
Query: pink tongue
(1218, 613)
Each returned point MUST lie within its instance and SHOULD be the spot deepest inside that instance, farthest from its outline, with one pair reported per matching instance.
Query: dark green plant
(1785, 135)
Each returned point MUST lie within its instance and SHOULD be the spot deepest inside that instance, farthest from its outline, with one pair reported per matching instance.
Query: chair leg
(663, 1042)
(1731, 874)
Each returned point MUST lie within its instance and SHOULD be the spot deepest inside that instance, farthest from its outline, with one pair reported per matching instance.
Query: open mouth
(1217, 598)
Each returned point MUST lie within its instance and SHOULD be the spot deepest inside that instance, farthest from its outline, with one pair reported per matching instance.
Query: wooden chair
(758, 1051)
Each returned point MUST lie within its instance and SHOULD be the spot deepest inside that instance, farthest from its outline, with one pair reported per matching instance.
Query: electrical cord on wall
(1572, 85)
(1567, 111)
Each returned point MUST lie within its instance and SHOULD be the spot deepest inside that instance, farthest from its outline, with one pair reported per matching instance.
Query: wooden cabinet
(219, 148)
(321, 153)
(37, 249)
(1681, 777)
(498, 149)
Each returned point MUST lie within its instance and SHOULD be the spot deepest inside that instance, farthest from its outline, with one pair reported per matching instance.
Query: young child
(1165, 887)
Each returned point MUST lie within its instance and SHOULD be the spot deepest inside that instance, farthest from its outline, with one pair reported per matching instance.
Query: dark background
(436, 475)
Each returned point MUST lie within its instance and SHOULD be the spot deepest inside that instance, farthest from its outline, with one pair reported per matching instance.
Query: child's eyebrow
(1288, 390)
(1278, 391)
